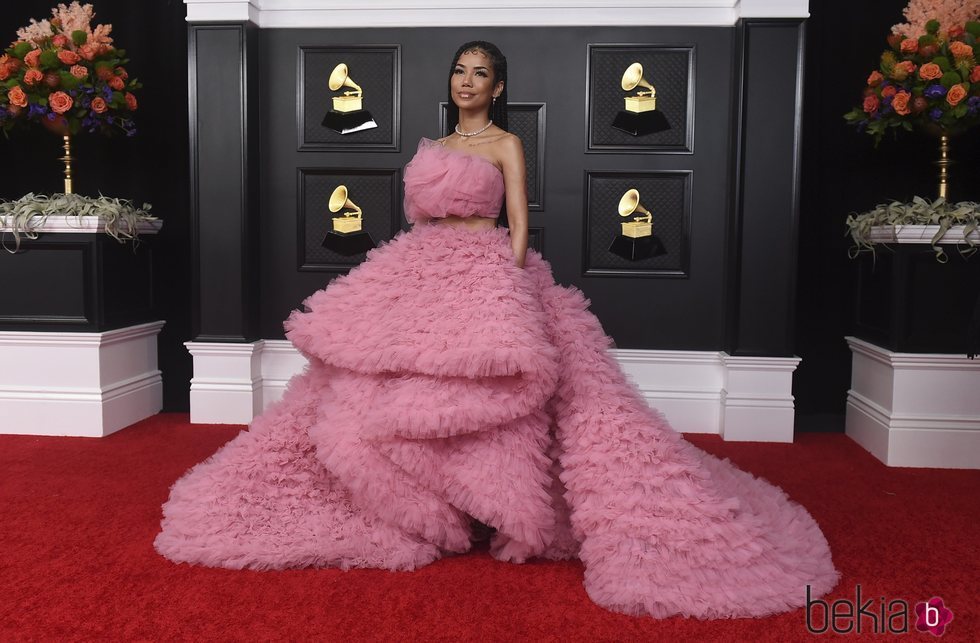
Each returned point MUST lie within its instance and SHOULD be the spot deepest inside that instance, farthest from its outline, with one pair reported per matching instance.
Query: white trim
(919, 234)
(914, 409)
(342, 14)
(79, 225)
(79, 384)
(740, 398)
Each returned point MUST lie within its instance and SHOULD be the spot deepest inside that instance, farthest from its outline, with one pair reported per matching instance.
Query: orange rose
(33, 76)
(955, 32)
(4, 72)
(902, 70)
(68, 57)
(60, 40)
(875, 78)
(871, 104)
(122, 73)
(88, 51)
(78, 71)
(59, 102)
(888, 91)
(955, 94)
(930, 71)
(975, 74)
(31, 58)
(16, 96)
(117, 83)
(901, 103)
(910, 46)
(98, 105)
(960, 50)
(130, 102)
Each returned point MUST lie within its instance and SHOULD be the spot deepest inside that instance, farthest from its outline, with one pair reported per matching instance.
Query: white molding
(76, 224)
(342, 14)
(914, 409)
(79, 384)
(919, 234)
(740, 398)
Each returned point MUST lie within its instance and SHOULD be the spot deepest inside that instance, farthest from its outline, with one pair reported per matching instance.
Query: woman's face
(472, 82)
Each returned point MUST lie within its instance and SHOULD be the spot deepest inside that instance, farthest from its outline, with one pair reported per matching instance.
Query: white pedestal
(914, 409)
(739, 398)
(78, 384)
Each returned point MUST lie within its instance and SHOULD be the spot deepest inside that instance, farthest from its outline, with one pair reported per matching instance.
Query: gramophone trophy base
(635, 249)
(346, 104)
(348, 244)
(642, 123)
(349, 122)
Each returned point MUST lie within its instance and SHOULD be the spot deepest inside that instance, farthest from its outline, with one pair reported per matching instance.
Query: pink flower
(31, 58)
(88, 51)
(871, 104)
(122, 73)
(116, 83)
(59, 102)
(960, 50)
(60, 41)
(99, 105)
(930, 71)
(910, 46)
(16, 96)
(875, 78)
(955, 32)
(33, 76)
(130, 102)
(955, 94)
(78, 71)
(901, 103)
(68, 57)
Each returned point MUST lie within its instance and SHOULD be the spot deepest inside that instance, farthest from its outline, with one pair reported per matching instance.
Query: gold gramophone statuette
(351, 221)
(350, 101)
(643, 100)
(641, 226)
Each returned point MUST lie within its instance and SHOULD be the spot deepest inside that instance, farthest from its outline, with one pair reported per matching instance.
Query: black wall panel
(547, 67)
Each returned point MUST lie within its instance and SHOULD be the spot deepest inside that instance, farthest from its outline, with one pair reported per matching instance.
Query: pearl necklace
(468, 134)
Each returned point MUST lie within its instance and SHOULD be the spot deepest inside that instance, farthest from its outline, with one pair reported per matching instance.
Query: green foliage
(23, 217)
(79, 37)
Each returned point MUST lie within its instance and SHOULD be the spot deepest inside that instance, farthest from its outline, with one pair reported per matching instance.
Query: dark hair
(498, 109)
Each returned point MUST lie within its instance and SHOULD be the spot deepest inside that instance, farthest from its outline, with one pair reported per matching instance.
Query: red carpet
(78, 517)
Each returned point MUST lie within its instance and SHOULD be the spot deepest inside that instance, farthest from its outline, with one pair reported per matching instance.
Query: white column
(757, 402)
(227, 383)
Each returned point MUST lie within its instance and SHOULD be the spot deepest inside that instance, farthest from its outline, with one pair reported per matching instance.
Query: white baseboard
(739, 398)
(914, 409)
(79, 384)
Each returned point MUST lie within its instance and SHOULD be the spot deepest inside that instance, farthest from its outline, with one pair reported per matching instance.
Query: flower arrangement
(67, 75)
(930, 80)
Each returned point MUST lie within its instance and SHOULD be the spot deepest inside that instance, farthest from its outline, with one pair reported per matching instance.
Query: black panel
(767, 198)
(77, 282)
(224, 182)
(666, 195)
(376, 69)
(376, 191)
(670, 70)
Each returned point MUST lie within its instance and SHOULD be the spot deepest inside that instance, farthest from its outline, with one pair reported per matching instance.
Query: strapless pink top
(440, 181)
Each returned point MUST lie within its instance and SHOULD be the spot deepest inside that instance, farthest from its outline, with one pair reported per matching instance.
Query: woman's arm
(515, 188)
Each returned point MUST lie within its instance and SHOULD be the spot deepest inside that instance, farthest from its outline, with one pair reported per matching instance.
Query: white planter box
(85, 225)
(920, 234)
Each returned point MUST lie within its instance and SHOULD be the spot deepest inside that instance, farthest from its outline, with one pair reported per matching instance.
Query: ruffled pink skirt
(443, 383)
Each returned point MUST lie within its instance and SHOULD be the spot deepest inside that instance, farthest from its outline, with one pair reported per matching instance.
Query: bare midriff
(470, 223)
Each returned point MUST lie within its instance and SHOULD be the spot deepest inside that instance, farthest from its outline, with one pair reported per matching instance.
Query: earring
(494, 103)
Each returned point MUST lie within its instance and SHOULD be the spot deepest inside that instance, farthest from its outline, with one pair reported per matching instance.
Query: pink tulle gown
(446, 383)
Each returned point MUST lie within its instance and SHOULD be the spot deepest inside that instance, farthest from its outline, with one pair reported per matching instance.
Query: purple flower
(107, 93)
(935, 113)
(935, 91)
(36, 110)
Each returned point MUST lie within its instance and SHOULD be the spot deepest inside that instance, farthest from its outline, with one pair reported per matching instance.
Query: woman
(451, 379)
